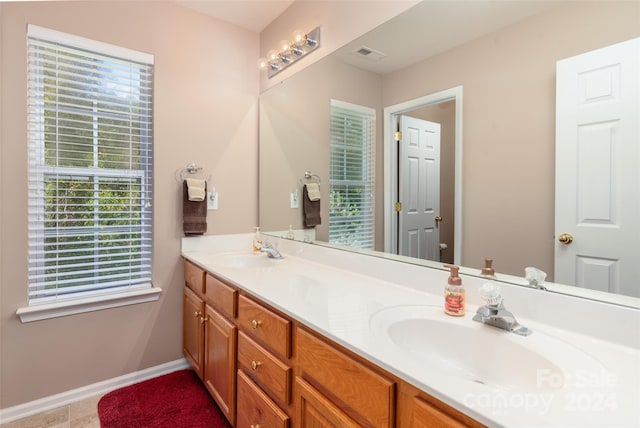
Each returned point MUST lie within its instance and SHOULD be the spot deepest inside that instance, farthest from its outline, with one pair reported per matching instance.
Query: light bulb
(285, 45)
(299, 37)
(273, 55)
(262, 63)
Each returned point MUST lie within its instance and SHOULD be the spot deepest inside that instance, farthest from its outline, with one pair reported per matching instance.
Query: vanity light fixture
(290, 51)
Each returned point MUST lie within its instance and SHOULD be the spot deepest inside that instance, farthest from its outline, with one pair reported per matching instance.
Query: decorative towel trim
(313, 191)
(197, 189)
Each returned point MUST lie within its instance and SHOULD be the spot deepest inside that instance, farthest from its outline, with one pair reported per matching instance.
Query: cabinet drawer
(194, 277)
(359, 388)
(264, 369)
(255, 408)
(264, 325)
(221, 296)
(426, 415)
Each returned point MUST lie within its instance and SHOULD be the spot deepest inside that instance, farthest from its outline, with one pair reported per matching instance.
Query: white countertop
(346, 297)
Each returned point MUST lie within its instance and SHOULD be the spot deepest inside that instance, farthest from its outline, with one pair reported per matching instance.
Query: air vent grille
(368, 53)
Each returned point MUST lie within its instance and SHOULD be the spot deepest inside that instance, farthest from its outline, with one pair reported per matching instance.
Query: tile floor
(83, 414)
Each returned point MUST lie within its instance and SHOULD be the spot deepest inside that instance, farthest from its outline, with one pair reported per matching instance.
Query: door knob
(438, 219)
(566, 238)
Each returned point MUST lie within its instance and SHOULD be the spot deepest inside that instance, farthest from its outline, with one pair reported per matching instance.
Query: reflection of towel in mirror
(311, 209)
(314, 191)
(197, 189)
(194, 213)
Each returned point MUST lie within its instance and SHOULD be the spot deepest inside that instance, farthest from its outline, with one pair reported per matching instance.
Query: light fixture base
(301, 52)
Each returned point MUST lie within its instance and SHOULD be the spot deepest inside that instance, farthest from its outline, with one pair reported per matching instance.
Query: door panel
(419, 188)
(597, 178)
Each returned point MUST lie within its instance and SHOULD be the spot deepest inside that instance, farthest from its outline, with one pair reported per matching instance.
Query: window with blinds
(352, 175)
(90, 167)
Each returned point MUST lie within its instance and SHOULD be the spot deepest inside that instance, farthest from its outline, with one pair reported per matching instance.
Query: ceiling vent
(368, 53)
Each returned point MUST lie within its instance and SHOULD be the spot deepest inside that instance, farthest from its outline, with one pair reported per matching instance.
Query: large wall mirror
(485, 72)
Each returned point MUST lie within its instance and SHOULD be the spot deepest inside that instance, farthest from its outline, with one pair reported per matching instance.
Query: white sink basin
(479, 353)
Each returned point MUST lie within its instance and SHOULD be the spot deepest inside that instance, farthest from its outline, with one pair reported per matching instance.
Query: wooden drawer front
(255, 408)
(220, 295)
(313, 410)
(194, 277)
(369, 394)
(267, 327)
(264, 369)
(426, 415)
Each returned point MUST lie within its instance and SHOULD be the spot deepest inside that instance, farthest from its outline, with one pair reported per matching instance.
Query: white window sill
(89, 304)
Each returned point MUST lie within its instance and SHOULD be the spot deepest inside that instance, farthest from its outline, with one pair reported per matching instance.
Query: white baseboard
(54, 401)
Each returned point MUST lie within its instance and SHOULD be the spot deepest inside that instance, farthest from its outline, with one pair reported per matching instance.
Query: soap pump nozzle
(454, 279)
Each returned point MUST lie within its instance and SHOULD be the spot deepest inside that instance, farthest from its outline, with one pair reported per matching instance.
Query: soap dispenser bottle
(488, 271)
(454, 294)
(257, 240)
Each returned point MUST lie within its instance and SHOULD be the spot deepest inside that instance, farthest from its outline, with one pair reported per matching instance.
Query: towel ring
(191, 168)
(308, 175)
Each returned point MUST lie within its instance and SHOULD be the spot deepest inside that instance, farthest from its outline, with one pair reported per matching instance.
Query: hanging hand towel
(311, 209)
(197, 189)
(194, 213)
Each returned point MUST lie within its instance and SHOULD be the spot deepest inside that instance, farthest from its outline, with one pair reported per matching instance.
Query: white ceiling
(253, 15)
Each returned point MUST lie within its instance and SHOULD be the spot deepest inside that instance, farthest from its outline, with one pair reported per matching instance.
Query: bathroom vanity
(329, 338)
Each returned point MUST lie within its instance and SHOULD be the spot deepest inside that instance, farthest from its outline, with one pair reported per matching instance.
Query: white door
(597, 170)
(419, 188)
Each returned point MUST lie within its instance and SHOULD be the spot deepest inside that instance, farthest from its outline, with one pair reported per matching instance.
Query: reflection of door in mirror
(597, 178)
(418, 188)
(442, 108)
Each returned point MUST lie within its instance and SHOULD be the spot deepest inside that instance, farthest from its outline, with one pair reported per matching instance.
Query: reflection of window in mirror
(352, 175)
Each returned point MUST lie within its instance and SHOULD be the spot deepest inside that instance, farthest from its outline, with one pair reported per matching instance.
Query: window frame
(114, 294)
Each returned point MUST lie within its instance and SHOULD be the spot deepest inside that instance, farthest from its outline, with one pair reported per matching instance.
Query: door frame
(390, 125)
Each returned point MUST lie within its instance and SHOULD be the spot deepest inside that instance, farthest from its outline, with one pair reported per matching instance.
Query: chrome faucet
(272, 252)
(495, 314)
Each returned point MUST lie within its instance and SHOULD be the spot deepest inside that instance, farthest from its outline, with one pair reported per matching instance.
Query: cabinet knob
(255, 364)
(197, 314)
(256, 323)
(255, 426)
(203, 320)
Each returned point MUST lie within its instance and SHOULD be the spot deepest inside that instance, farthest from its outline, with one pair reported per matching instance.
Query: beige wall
(206, 93)
(509, 124)
(294, 138)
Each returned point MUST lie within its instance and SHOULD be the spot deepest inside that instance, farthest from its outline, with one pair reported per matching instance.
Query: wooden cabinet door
(220, 361)
(193, 330)
(313, 410)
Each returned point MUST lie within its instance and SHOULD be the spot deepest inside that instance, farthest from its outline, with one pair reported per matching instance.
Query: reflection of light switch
(212, 201)
(294, 200)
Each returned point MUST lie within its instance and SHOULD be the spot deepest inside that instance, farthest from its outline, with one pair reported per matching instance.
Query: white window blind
(352, 175)
(90, 167)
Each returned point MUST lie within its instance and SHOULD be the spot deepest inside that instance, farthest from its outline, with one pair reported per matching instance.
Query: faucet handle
(490, 293)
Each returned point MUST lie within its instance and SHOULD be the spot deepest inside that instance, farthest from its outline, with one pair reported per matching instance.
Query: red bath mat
(177, 399)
